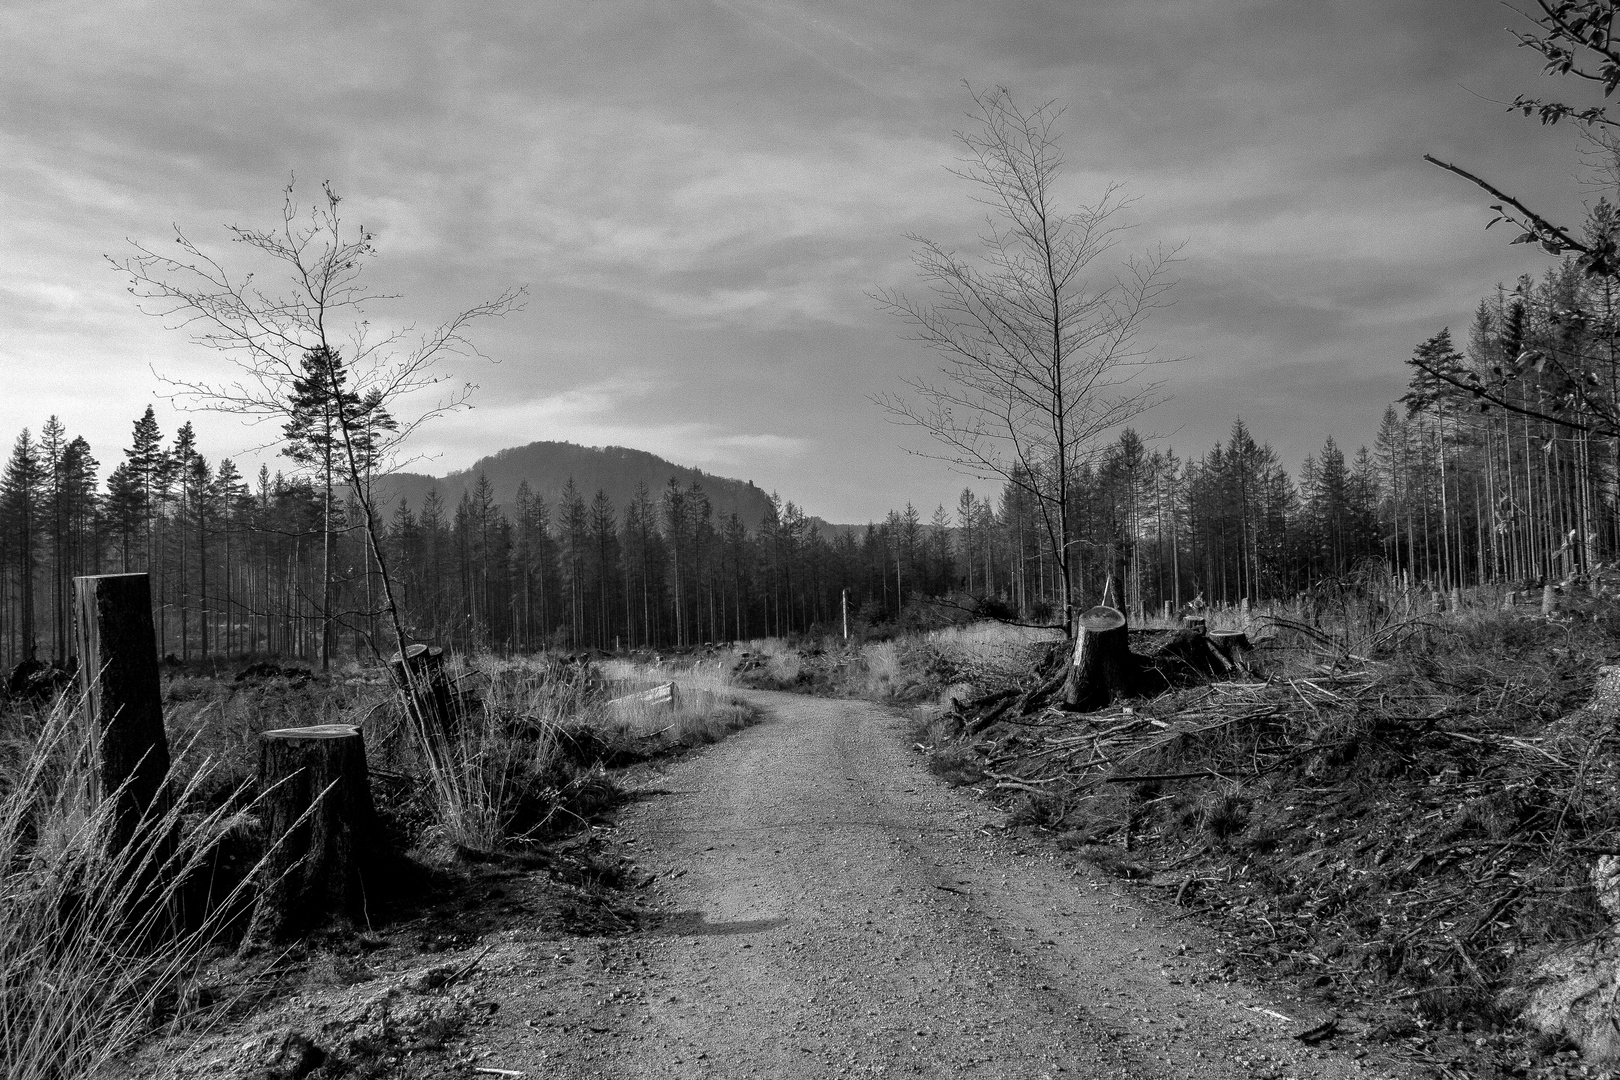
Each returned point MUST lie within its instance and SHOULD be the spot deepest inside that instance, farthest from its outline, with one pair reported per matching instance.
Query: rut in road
(832, 909)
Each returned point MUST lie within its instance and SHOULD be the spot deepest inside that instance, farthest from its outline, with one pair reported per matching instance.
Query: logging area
(1412, 813)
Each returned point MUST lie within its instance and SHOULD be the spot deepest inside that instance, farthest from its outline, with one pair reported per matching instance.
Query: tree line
(280, 564)
(1449, 495)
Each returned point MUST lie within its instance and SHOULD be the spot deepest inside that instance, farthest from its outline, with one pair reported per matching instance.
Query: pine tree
(604, 543)
(574, 526)
(230, 498)
(22, 494)
(320, 405)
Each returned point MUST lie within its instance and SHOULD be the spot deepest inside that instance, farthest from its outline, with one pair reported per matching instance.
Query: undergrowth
(99, 940)
(99, 946)
(1406, 811)
(960, 661)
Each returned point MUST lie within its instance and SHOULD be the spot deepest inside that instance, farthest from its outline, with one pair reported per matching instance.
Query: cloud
(701, 194)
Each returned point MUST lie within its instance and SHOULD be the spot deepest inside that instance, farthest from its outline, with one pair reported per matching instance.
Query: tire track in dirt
(840, 912)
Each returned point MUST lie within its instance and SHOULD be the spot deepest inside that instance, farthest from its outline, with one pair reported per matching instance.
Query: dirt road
(831, 909)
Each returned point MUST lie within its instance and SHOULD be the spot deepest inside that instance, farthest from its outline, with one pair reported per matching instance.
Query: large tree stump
(1103, 667)
(320, 830)
(118, 671)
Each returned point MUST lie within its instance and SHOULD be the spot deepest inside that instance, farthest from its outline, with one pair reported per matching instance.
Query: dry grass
(97, 944)
(960, 661)
(986, 656)
(707, 712)
(97, 950)
(504, 775)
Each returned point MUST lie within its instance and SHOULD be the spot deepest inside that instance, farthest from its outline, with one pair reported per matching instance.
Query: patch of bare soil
(402, 1000)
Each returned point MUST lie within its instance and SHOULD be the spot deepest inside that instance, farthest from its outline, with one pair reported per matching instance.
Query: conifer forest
(276, 564)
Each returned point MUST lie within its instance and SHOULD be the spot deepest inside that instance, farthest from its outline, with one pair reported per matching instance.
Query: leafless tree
(315, 308)
(1040, 335)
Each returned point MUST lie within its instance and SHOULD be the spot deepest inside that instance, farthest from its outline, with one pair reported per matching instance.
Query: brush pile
(1416, 830)
(1162, 660)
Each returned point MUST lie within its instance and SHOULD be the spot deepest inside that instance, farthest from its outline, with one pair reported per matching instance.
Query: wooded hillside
(547, 466)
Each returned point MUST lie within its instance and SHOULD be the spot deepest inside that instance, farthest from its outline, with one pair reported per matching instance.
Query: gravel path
(831, 909)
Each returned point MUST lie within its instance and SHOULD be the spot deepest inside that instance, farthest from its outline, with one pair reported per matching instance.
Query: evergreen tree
(22, 494)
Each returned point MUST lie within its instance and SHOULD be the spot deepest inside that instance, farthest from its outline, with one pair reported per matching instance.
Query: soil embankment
(826, 907)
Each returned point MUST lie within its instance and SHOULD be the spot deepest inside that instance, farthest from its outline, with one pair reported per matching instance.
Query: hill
(547, 466)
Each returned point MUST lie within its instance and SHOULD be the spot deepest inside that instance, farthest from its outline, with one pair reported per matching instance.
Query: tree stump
(1103, 667)
(1549, 600)
(320, 830)
(118, 672)
(1234, 647)
(428, 692)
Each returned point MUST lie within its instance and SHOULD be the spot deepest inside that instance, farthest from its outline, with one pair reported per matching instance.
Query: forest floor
(803, 899)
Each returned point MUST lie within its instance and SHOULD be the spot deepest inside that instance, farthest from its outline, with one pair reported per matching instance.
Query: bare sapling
(1041, 336)
(348, 396)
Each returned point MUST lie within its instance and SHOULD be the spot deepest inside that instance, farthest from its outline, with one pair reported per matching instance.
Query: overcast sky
(700, 195)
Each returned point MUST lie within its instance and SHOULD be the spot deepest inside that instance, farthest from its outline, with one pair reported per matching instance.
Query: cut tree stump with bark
(118, 671)
(1104, 667)
(428, 692)
(320, 830)
(1234, 646)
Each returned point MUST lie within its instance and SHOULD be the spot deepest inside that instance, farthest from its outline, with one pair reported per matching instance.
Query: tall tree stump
(320, 830)
(1103, 667)
(420, 674)
(118, 672)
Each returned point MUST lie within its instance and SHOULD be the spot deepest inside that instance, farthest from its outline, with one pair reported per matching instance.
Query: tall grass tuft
(500, 775)
(97, 947)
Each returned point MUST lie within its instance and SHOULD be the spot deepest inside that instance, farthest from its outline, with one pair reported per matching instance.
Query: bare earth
(832, 909)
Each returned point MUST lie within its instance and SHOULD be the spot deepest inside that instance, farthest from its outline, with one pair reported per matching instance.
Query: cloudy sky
(700, 195)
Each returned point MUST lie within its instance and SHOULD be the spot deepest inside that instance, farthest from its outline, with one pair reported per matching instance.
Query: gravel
(826, 908)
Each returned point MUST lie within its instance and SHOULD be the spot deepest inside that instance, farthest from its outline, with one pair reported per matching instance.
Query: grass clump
(99, 945)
